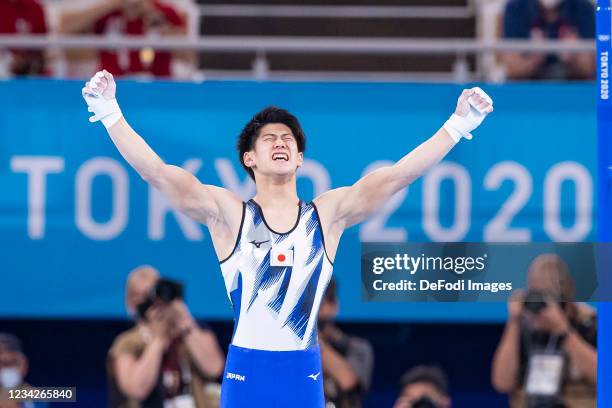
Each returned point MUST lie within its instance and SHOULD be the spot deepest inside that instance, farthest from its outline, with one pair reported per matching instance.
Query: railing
(261, 46)
(298, 45)
(326, 11)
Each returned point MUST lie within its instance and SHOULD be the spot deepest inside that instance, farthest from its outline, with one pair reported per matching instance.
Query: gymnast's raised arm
(346, 206)
(216, 207)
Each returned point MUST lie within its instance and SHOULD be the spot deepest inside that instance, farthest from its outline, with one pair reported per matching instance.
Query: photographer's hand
(201, 344)
(402, 402)
(184, 320)
(337, 367)
(159, 321)
(515, 304)
(552, 319)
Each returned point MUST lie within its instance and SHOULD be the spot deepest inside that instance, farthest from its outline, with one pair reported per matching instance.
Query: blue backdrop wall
(75, 219)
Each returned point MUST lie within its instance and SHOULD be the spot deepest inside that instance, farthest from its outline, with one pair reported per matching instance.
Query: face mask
(10, 377)
(550, 3)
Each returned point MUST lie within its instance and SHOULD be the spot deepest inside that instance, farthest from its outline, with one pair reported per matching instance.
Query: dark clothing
(575, 391)
(360, 356)
(522, 17)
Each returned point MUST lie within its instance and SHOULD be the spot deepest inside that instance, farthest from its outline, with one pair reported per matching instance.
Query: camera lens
(424, 402)
(534, 301)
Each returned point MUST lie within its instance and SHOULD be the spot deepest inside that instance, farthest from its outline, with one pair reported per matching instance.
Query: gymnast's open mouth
(280, 156)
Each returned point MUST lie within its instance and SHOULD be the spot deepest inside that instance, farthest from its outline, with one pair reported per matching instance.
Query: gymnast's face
(275, 153)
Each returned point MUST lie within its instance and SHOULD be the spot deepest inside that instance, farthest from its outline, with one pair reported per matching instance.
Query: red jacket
(132, 61)
(24, 17)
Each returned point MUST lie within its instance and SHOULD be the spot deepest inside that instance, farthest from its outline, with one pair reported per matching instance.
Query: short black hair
(426, 374)
(271, 114)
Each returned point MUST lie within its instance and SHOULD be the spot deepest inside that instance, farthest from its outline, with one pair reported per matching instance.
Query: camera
(535, 301)
(424, 402)
(164, 291)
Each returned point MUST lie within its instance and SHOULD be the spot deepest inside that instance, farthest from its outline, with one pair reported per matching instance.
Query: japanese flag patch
(281, 257)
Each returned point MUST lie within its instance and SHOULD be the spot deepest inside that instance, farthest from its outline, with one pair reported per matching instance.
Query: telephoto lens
(168, 290)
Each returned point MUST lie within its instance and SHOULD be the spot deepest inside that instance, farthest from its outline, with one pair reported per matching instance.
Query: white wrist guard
(458, 126)
(106, 110)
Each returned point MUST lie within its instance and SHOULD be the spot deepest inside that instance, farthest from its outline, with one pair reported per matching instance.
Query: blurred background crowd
(270, 22)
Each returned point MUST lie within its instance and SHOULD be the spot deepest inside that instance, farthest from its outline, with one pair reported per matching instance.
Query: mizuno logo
(315, 376)
(258, 244)
(232, 376)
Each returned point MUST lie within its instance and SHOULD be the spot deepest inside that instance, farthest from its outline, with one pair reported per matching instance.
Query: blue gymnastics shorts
(272, 379)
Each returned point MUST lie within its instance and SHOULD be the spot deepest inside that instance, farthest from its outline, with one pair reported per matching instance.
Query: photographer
(166, 360)
(347, 360)
(423, 387)
(547, 356)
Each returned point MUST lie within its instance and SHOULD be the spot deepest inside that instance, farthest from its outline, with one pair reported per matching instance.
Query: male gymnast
(276, 252)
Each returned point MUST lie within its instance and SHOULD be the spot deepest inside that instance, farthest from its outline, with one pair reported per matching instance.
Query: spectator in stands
(22, 17)
(423, 387)
(347, 361)
(547, 355)
(131, 17)
(166, 359)
(566, 20)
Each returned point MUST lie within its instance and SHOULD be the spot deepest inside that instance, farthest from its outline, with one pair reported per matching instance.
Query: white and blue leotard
(274, 358)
